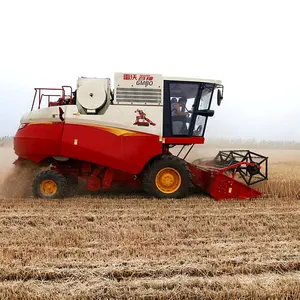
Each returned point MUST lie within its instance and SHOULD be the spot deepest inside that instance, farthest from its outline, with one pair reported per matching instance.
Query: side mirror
(219, 98)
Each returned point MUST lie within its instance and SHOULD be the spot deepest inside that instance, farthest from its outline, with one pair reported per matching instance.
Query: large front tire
(50, 185)
(167, 177)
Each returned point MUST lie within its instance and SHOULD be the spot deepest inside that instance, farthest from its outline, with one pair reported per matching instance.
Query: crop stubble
(133, 247)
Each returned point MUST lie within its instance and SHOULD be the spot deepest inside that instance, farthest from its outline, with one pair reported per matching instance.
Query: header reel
(251, 167)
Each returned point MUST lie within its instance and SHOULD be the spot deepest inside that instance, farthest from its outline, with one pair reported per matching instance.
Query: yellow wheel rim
(168, 180)
(48, 187)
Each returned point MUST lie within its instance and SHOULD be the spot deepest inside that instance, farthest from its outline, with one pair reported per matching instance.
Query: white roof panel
(193, 79)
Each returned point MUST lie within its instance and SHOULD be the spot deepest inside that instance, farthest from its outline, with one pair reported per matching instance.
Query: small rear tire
(50, 185)
(167, 177)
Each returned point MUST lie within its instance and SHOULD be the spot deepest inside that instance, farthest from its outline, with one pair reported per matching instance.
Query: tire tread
(60, 180)
(150, 169)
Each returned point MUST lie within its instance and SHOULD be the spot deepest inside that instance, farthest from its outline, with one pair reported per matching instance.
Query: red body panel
(119, 149)
(36, 142)
(184, 140)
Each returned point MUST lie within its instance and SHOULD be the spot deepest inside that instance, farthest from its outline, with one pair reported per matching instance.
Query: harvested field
(132, 247)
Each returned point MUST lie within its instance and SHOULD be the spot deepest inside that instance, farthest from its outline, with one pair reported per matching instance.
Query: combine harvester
(125, 136)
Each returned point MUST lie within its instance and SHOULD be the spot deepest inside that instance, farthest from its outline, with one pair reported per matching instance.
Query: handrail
(41, 95)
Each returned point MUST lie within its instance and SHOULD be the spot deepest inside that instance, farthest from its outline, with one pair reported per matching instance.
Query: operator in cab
(178, 108)
(179, 112)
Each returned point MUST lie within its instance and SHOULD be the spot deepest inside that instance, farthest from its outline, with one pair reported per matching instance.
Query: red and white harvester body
(124, 136)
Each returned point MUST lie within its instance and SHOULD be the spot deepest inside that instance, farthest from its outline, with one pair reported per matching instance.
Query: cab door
(190, 98)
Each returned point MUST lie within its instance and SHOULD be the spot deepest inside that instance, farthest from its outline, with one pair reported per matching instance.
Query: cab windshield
(186, 99)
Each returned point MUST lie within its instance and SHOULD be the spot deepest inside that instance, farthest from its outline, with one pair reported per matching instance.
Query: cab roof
(218, 82)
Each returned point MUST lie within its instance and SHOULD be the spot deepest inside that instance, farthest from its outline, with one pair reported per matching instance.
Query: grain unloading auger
(124, 137)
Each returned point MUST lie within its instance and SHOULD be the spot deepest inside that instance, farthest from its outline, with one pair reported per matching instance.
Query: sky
(252, 46)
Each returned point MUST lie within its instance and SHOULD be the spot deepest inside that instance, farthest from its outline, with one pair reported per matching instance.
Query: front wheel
(50, 185)
(167, 177)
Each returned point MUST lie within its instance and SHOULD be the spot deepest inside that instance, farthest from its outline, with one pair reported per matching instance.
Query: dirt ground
(133, 247)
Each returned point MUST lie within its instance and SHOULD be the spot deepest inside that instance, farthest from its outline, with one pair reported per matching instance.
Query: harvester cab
(123, 136)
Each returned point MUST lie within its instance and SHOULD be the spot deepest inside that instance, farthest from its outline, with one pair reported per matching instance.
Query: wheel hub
(48, 187)
(168, 180)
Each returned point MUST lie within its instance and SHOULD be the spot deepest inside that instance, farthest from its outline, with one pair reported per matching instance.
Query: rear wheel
(167, 177)
(50, 185)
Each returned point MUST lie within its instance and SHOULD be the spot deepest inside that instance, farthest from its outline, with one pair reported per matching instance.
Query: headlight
(22, 125)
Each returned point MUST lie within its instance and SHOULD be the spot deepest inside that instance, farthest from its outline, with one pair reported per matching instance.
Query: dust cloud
(15, 182)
